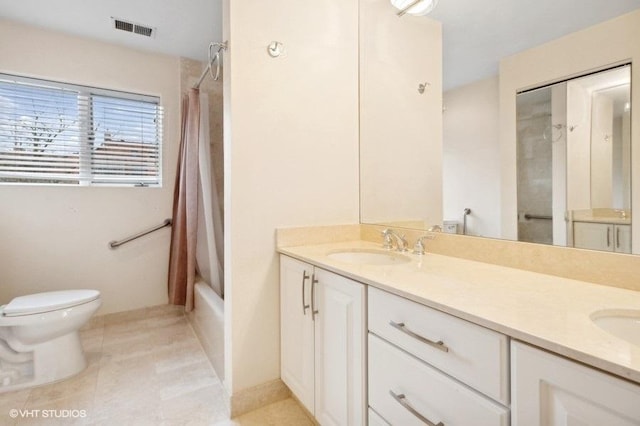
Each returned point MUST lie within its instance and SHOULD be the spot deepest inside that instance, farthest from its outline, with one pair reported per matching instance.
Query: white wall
(291, 156)
(400, 129)
(601, 151)
(612, 42)
(55, 237)
(561, 232)
(471, 157)
(578, 147)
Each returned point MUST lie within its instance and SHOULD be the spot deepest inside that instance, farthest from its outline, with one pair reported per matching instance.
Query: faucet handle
(387, 242)
(418, 248)
(402, 243)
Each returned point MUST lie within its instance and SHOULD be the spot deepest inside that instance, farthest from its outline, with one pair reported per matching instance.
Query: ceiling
(476, 33)
(184, 27)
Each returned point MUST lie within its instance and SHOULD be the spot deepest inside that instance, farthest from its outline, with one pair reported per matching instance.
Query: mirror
(573, 160)
(480, 189)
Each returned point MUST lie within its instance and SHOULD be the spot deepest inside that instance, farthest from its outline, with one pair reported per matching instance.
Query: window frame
(86, 121)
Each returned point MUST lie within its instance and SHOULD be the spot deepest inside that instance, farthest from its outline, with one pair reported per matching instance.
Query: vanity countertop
(608, 216)
(547, 311)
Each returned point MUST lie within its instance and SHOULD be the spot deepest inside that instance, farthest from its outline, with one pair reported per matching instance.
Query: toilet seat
(49, 301)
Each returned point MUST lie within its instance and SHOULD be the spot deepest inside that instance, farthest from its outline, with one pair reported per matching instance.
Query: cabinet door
(623, 238)
(594, 236)
(340, 350)
(548, 390)
(296, 330)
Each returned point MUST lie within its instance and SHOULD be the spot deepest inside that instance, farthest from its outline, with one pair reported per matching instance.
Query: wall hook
(275, 49)
(422, 87)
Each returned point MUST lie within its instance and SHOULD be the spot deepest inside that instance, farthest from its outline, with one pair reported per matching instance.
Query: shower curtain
(182, 256)
(209, 248)
(196, 236)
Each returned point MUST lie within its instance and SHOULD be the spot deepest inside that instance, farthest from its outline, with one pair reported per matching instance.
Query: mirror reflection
(574, 161)
(509, 165)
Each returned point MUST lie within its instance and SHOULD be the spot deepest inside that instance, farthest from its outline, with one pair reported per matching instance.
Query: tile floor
(145, 368)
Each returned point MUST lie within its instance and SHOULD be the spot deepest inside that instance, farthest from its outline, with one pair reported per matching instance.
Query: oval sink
(624, 324)
(369, 257)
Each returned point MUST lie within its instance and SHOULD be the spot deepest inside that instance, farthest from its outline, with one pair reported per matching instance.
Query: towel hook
(423, 86)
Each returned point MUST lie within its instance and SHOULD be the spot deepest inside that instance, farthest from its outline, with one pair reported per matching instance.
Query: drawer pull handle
(402, 400)
(314, 311)
(438, 345)
(305, 306)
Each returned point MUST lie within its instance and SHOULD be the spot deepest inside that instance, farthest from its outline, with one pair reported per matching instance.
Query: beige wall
(55, 237)
(400, 129)
(612, 42)
(291, 155)
(471, 157)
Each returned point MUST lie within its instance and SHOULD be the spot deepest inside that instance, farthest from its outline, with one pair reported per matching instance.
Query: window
(56, 133)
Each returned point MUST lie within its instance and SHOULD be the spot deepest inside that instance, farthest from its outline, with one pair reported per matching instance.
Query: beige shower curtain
(182, 255)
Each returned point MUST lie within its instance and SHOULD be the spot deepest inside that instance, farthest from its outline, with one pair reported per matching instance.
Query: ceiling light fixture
(414, 7)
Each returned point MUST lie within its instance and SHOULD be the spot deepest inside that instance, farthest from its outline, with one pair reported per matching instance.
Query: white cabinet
(406, 391)
(623, 238)
(296, 330)
(552, 391)
(424, 365)
(472, 354)
(602, 236)
(375, 419)
(323, 342)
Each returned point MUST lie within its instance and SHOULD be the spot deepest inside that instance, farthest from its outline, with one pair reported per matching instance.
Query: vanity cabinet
(323, 331)
(553, 391)
(602, 236)
(355, 355)
(424, 365)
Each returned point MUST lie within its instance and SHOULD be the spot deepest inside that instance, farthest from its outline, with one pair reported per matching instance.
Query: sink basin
(624, 324)
(369, 257)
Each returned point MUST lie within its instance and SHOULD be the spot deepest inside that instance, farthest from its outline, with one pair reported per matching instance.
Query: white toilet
(39, 340)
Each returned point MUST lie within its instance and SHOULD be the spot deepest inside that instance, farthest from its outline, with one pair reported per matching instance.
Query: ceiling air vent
(130, 27)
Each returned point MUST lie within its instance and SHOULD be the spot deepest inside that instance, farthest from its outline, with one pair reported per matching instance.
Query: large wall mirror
(536, 141)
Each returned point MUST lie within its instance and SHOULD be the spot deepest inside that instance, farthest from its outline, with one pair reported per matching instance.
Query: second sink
(624, 324)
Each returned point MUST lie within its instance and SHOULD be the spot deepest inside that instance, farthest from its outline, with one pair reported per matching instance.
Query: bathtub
(207, 320)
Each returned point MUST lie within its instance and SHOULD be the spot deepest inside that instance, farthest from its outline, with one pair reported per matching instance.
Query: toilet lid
(48, 301)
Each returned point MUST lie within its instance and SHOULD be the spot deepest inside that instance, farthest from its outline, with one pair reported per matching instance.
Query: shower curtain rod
(212, 58)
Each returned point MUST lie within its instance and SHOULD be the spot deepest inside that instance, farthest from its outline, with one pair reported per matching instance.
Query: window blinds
(65, 134)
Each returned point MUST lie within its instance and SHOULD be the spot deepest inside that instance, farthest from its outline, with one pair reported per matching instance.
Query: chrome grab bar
(438, 345)
(402, 400)
(116, 244)
(537, 216)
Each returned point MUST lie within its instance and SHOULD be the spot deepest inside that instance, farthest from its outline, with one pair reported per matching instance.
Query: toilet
(39, 340)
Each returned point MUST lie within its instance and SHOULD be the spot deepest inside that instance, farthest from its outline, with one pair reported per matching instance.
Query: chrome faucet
(388, 235)
(419, 247)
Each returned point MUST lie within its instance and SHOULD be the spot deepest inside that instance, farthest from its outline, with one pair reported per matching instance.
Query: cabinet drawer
(375, 419)
(421, 390)
(474, 355)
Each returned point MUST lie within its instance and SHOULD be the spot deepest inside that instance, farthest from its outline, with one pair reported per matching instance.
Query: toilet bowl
(39, 340)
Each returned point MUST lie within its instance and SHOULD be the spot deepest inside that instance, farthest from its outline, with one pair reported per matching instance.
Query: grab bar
(537, 216)
(116, 244)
